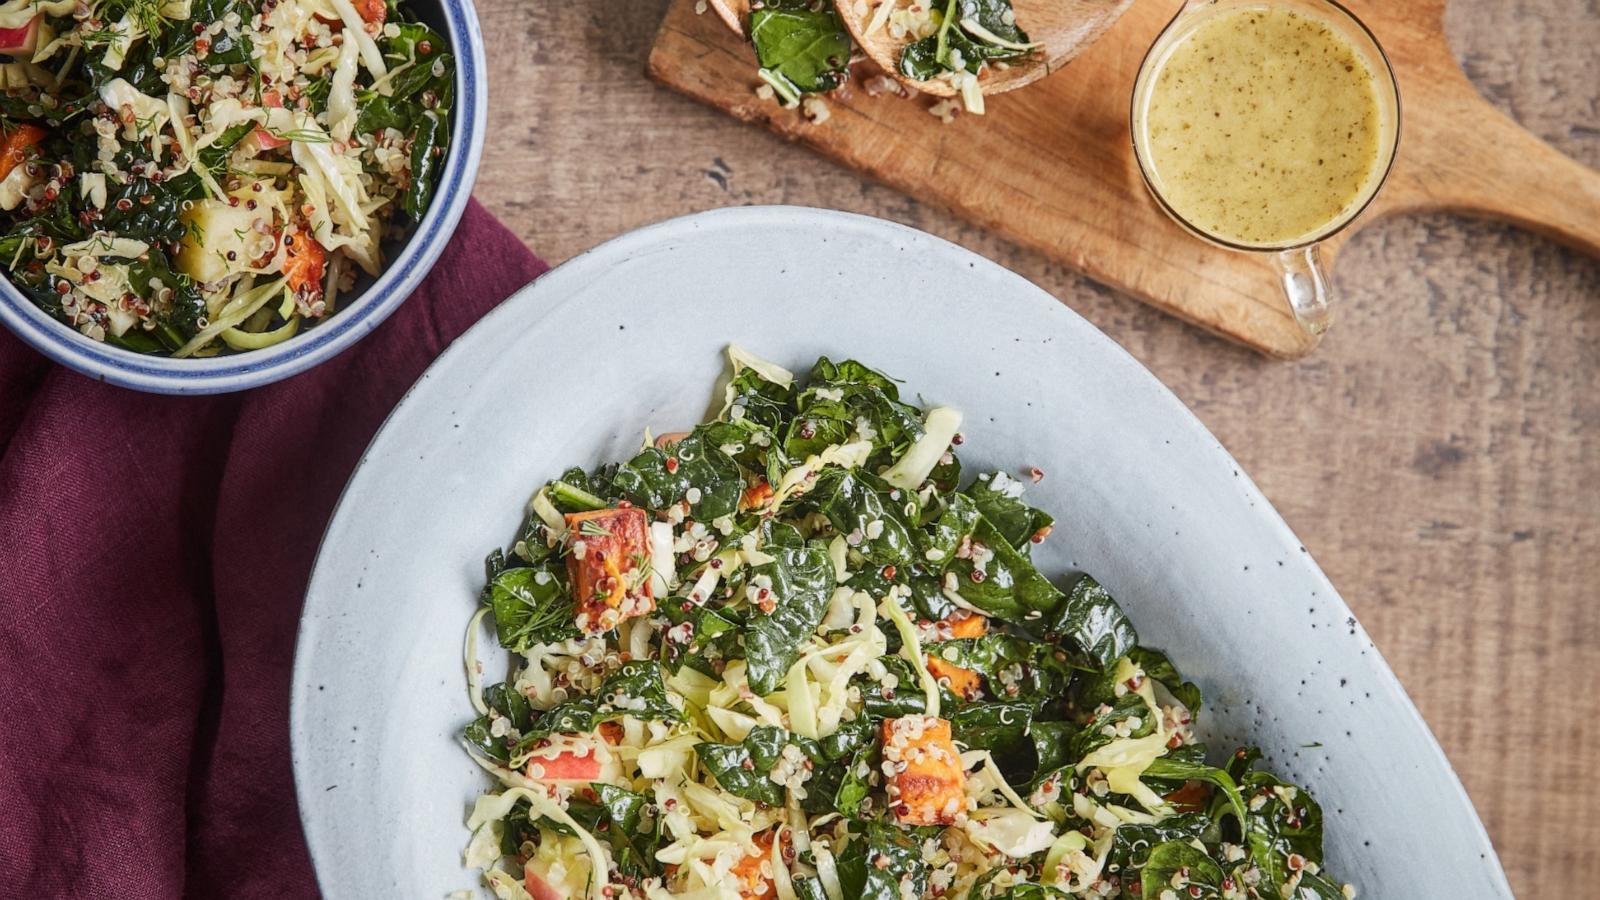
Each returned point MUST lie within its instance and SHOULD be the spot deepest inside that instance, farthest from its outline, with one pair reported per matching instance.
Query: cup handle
(1306, 284)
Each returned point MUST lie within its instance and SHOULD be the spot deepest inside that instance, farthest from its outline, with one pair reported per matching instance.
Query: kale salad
(797, 653)
(804, 47)
(189, 177)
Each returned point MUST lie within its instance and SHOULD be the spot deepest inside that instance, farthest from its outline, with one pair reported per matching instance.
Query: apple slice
(575, 757)
(265, 139)
(21, 42)
(538, 887)
(568, 765)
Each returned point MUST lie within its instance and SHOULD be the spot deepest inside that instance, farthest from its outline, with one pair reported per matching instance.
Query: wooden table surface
(1440, 455)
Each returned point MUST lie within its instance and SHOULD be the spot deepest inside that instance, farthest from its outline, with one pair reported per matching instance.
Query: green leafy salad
(798, 654)
(804, 46)
(187, 177)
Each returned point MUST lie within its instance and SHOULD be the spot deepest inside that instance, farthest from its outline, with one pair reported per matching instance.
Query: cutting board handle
(1461, 154)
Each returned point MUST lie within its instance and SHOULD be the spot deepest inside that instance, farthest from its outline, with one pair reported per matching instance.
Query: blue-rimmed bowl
(408, 262)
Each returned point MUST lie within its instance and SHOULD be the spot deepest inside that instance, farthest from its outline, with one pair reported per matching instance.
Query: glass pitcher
(1254, 59)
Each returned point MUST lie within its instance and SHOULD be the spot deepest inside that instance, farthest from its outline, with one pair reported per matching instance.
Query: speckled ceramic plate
(1145, 498)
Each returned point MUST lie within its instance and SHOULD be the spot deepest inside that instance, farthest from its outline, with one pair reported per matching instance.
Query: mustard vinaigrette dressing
(1264, 127)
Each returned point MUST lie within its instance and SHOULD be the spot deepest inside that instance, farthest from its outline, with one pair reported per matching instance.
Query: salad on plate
(798, 653)
(190, 177)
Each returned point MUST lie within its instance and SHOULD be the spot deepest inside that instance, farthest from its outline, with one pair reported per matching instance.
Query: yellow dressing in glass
(1263, 127)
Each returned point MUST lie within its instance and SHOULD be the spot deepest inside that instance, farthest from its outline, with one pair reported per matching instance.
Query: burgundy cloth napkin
(154, 552)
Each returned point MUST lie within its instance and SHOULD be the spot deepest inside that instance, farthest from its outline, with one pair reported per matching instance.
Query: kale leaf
(847, 400)
(759, 401)
(503, 702)
(428, 138)
(1200, 876)
(659, 477)
(802, 46)
(1286, 821)
(878, 858)
(1093, 625)
(1100, 687)
(618, 816)
(957, 516)
(1131, 843)
(937, 53)
(1006, 585)
(801, 583)
(1051, 744)
(836, 783)
(635, 689)
(1001, 504)
(531, 606)
(742, 769)
(1014, 667)
(1093, 734)
(874, 517)
(1002, 729)
(1168, 768)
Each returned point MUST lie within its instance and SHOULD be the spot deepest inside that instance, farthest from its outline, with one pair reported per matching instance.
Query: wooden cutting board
(1051, 166)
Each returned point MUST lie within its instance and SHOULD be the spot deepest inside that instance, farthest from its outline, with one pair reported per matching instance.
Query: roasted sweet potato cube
(755, 496)
(608, 557)
(1194, 796)
(967, 627)
(17, 143)
(962, 682)
(373, 12)
(304, 263)
(754, 872)
(928, 786)
(960, 625)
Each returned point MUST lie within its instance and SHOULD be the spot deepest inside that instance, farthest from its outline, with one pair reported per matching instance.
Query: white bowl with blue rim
(408, 264)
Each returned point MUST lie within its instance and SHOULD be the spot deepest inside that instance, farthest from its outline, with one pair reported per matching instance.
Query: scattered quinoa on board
(797, 653)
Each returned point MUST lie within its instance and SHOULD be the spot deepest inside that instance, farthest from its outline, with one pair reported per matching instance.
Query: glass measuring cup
(1295, 255)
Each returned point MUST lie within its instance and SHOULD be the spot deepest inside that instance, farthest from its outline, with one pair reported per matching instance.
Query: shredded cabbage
(473, 665)
(18, 13)
(237, 310)
(257, 340)
(912, 469)
(342, 93)
(828, 871)
(976, 29)
(494, 807)
(355, 28)
(743, 359)
(911, 649)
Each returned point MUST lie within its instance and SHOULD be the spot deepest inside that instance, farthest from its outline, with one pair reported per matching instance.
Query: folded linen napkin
(154, 553)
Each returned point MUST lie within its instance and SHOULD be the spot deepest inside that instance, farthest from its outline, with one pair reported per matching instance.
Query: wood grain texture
(1439, 455)
(1052, 169)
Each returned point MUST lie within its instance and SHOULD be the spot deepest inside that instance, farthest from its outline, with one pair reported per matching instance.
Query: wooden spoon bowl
(733, 13)
(1062, 29)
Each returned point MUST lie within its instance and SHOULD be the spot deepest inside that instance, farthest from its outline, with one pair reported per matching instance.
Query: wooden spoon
(1062, 28)
(734, 13)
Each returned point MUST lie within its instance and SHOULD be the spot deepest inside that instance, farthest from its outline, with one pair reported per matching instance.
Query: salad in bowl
(194, 177)
(798, 653)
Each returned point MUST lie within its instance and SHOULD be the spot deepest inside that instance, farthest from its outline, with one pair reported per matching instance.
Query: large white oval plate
(574, 367)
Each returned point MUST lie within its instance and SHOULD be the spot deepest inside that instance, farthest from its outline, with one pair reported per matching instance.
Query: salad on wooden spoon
(960, 49)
